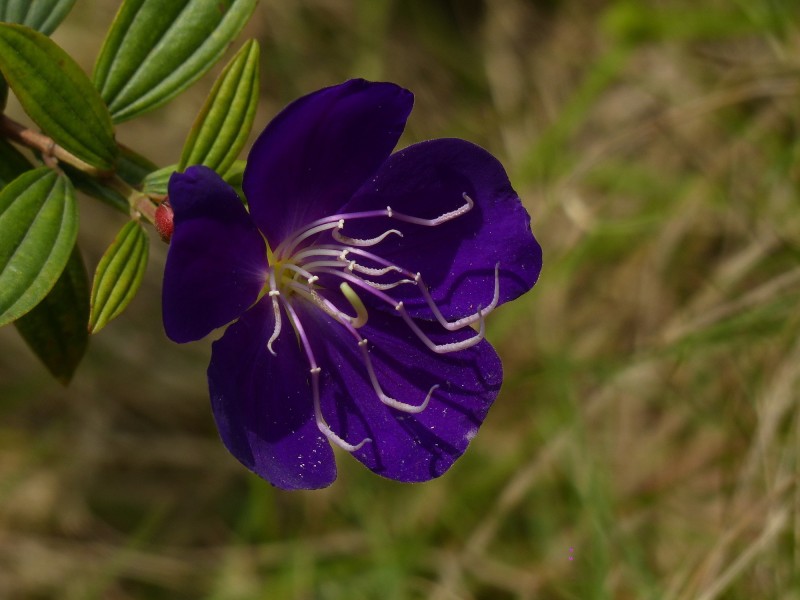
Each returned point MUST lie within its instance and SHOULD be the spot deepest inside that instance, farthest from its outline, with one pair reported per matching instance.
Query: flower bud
(164, 221)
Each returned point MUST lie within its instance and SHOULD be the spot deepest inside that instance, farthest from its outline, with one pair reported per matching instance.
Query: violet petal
(457, 258)
(319, 150)
(406, 447)
(216, 263)
(263, 404)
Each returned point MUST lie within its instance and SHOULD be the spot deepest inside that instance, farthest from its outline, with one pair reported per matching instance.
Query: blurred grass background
(647, 437)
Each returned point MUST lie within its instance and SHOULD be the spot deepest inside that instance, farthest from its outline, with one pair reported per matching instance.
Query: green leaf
(38, 227)
(57, 95)
(97, 188)
(235, 177)
(220, 131)
(12, 163)
(56, 328)
(157, 181)
(42, 15)
(118, 275)
(133, 167)
(156, 49)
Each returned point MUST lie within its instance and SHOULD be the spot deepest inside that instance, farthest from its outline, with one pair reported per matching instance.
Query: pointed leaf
(97, 188)
(12, 163)
(42, 15)
(156, 49)
(38, 227)
(220, 131)
(57, 95)
(156, 182)
(133, 167)
(118, 275)
(56, 328)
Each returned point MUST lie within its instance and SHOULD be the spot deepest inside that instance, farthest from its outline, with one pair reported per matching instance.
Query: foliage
(152, 52)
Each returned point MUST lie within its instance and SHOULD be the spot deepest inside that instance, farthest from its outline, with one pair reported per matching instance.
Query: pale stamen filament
(354, 266)
(386, 286)
(448, 216)
(346, 321)
(469, 320)
(438, 348)
(343, 239)
(328, 307)
(417, 279)
(314, 370)
(341, 255)
(380, 286)
(276, 309)
(388, 400)
(442, 348)
(286, 247)
(309, 277)
(283, 251)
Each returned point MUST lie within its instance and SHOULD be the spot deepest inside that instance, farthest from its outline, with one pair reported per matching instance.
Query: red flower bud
(164, 220)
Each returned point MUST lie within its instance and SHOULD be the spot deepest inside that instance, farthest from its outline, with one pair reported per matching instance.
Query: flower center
(295, 269)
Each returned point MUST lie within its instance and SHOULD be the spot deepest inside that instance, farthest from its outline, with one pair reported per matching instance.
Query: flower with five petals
(357, 281)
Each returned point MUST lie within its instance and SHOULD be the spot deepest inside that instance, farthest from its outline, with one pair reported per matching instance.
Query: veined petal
(217, 261)
(263, 404)
(406, 447)
(457, 258)
(316, 153)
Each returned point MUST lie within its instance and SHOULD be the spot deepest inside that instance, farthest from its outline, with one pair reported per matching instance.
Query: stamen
(385, 286)
(448, 216)
(287, 247)
(353, 266)
(459, 323)
(323, 427)
(368, 242)
(276, 309)
(442, 348)
(438, 348)
(387, 400)
(417, 279)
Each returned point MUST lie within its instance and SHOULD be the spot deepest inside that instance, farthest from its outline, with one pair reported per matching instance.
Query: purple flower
(358, 280)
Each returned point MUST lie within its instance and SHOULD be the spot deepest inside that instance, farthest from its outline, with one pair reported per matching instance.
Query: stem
(140, 204)
(38, 141)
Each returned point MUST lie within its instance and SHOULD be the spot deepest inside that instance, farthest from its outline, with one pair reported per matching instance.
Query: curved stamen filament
(345, 321)
(442, 348)
(386, 286)
(325, 305)
(448, 216)
(286, 247)
(438, 348)
(388, 400)
(276, 309)
(314, 370)
(417, 279)
(459, 323)
(357, 242)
